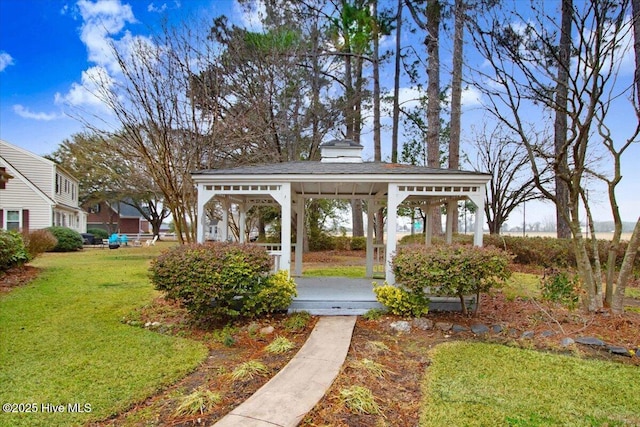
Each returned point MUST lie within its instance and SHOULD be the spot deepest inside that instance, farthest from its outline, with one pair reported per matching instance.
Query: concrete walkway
(296, 389)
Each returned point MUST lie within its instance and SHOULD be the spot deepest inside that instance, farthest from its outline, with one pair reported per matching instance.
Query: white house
(37, 193)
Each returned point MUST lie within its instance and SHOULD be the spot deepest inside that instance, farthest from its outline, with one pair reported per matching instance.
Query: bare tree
(523, 58)
(511, 182)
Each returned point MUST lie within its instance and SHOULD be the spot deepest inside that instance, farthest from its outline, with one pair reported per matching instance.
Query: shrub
(68, 240)
(38, 242)
(211, 279)
(341, 243)
(455, 270)
(557, 286)
(271, 294)
(12, 250)
(99, 233)
(319, 241)
(402, 302)
(358, 243)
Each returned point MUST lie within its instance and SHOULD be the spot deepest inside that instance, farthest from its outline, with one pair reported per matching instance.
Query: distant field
(604, 236)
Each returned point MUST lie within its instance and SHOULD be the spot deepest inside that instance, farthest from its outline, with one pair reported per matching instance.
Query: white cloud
(27, 114)
(102, 20)
(250, 15)
(90, 91)
(5, 60)
(157, 9)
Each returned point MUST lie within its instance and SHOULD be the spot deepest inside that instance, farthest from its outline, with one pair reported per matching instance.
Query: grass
(478, 384)
(359, 400)
(351, 271)
(248, 370)
(280, 345)
(199, 402)
(523, 285)
(62, 340)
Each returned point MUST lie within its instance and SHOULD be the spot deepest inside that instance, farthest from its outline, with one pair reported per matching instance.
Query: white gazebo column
(224, 232)
(394, 198)
(242, 207)
(478, 200)
(283, 197)
(299, 235)
(451, 210)
(370, 212)
(202, 220)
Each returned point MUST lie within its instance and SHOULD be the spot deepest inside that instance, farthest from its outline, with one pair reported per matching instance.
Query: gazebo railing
(275, 251)
(379, 259)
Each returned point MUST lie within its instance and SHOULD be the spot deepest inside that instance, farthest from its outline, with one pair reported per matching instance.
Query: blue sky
(47, 45)
(47, 48)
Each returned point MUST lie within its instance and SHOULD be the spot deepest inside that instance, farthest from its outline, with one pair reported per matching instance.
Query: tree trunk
(396, 87)
(617, 303)
(433, 99)
(560, 125)
(456, 95)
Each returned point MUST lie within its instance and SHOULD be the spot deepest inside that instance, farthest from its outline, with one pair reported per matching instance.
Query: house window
(73, 191)
(13, 220)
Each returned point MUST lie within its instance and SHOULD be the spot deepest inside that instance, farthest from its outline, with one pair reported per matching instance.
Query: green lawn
(62, 340)
(478, 384)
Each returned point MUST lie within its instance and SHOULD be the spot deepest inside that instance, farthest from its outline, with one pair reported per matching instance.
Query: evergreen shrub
(221, 280)
(452, 270)
(98, 233)
(13, 252)
(68, 240)
(401, 301)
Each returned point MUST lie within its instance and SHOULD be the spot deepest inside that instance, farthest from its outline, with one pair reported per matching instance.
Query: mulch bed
(405, 358)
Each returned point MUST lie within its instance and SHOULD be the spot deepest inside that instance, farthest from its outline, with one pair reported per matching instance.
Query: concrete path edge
(295, 390)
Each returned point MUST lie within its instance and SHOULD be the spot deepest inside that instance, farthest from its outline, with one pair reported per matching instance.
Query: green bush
(557, 286)
(38, 242)
(212, 280)
(402, 302)
(99, 233)
(68, 240)
(541, 251)
(358, 243)
(271, 294)
(13, 253)
(319, 241)
(455, 270)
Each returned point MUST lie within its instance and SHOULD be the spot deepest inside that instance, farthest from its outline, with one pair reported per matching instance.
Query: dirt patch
(17, 277)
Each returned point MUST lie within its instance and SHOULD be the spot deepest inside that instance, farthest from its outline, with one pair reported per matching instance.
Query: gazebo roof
(320, 168)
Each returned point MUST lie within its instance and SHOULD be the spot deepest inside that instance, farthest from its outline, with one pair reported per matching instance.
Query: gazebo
(341, 174)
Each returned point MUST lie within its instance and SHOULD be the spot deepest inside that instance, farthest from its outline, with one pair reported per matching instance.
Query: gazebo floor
(342, 296)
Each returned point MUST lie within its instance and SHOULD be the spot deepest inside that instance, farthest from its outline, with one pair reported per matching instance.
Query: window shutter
(25, 219)
(3, 182)
(1, 218)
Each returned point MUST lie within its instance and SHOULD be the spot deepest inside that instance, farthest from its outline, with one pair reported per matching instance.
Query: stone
(444, 326)
(267, 330)
(496, 329)
(513, 332)
(479, 329)
(459, 328)
(590, 341)
(621, 351)
(547, 334)
(400, 326)
(567, 341)
(527, 335)
(423, 324)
